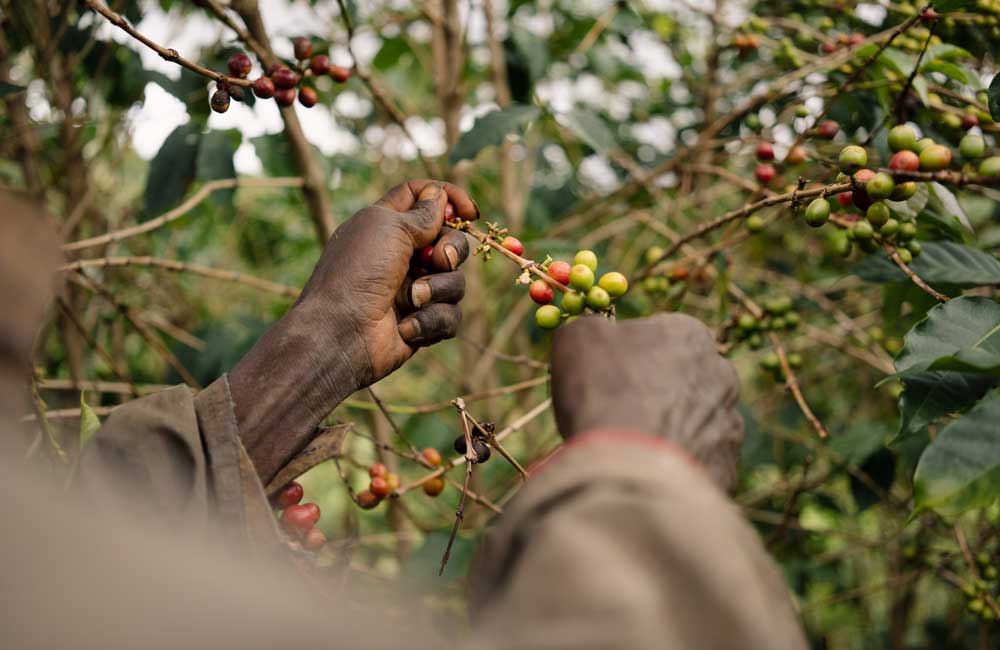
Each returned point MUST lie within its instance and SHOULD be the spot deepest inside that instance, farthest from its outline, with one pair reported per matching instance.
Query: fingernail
(420, 292)
(432, 191)
(451, 254)
(409, 329)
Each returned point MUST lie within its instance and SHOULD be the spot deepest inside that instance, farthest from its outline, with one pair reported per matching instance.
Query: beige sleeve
(620, 542)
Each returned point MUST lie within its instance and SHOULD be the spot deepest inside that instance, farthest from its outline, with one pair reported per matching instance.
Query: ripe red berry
(239, 65)
(679, 274)
(289, 495)
(340, 74)
(237, 93)
(284, 96)
(765, 151)
(425, 255)
(320, 65)
(855, 39)
(449, 211)
(845, 199)
(314, 539)
(220, 101)
(298, 519)
(969, 121)
(827, 129)
(380, 487)
(367, 500)
(765, 173)
(378, 470)
(829, 47)
(284, 77)
(929, 15)
(432, 456)
(859, 195)
(313, 510)
(434, 486)
(541, 292)
(904, 161)
(274, 67)
(263, 87)
(513, 244)
(559, 271)
(303, 48)
(307, 96)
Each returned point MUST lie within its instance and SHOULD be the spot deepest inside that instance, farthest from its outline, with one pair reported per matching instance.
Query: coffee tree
(817, 180)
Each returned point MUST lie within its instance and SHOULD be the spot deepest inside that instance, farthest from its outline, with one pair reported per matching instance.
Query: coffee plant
(815, 179)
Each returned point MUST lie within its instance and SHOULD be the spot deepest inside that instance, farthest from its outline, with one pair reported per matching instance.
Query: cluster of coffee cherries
(586, 290)
(977, 590)
(279, 81)
(299, 519)
(479, 444)
(383, 483)
(779, 315)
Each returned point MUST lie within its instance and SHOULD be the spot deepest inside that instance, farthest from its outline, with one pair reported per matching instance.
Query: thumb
(425, 219)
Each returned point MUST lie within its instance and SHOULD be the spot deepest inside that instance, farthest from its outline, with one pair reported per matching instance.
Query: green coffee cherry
(614, 283)
(841, 245)
(598, 299)
(972, 147)
(852, 158)
(653, 255)
(548, 317)
(902, 137)
(574, 301)
(746, 322)
(922, 144)
(862, 231)
(889, 229)
(770, 362)
(907, 231)
(755, 341)
(778, 323)
(817, 212)
(755, 223)
(877, 214)
(581, 277)
(880, 186)
(794, 360)
(792, 320)
(990, 166)
(587, 258)
(903, 191)
(779, 305)
(905, 256)
(914, 247)
(935, 158)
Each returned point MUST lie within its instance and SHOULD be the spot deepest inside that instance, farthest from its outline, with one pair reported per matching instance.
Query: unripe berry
(877, 214)
(653, 255)
(378, 470)
(239, 65)
(972, 147)
(792, 320)
(284, 77)
(827, 129)
(907, 231)
(904, 191)
(765, 173)
(795, 360)
(880, 186)
(289, 495)
(513, 244)
(303, 48)
(367, 500)
(905, 256)
(679, 273)
(778, 305)
(432, 456)
(284, 96)
(433, 487)
(889, 229)
(548, 317)
(581, 277)
(587, 258)
(598, 298)
(559, 271)
(320, 65)
(541, 292)
(935, 158)
(796, 156)
(573, 302)
(990, 166)
(905, 161)
(393, 480)
(314, 540)
(852, 158)
(922, 144)
(614, 283)
(817, 212)
(862, 231)
(765, 151)
(746, 322)
(914, 247)
(379, 487)
(902, 137)
(220, 101)
(755, 223)
(263, 87)
(770, 362)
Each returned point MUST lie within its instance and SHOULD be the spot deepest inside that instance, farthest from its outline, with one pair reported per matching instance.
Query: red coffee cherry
(449, 211)
(289, 495)
(513, 244)
(298, 519)
(765, 173)
(855, 39)
(796, 156)
(320, 65)
(263, 87)
(220, 101)
(380, 487)
(929, 15)
(859, 195)
(340, 74)
(905, 161)
(284, 77)
(559, 271)
(239, 65)
(313, 511)
(284, 96)
(367, 500)
(969, 121)
(829, 47)
(274, 67)
(679, 274)
(765, 151)
(845, 199)
(378, 470)
(433, 487)
(314, 539)
(425, 255)
(237, 93)
(307, 96)
(432, 456)
(541, 292)
(303, 48)
(827, 129)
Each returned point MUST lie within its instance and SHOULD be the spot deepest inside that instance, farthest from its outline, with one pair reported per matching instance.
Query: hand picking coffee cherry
(290, 495)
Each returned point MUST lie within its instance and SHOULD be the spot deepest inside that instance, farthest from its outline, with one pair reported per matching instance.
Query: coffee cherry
(513, 244)
(220, 101)
(271, 69)
(990, 166)
(378, 470)
(792, 320)
(481, 448)
(770, 362)
(587, 258)
(298, 519)
(905, 256)
(778, 305)
(746, 322)
(314, 539)
(581, 277)
(862, 231)
(541, 292)
(433, 487)
(431, 456)
(922, 144)
(829, 47)
(935, 158)
(904, 191)
(303, 48)
(548, 317)
(827, 129)
(765, 173)
(284, 77)
(367, 500)
(794, 360)
(426, 256)
(972, 147)
(237, 93)
(914, 247)
(845, 199)
(289, 495)
(653, 255)
(614, 283)
(284, 96)
(765, 151)
(796, 156)
(393, 480)
(320, 65)
(263, 87)
(817, 212)
(880, 186)
(307, 96)
(852, 158)
(559, 271)
(573, 302)
(902, 137)
(380, 487)
(969, 121)
(877, 214)
(679, 273)
(239, 65)
(889, 229)
(905, 161)
(340, 74)
(907, 231)
(860, 194)
(755, 223)
(598, 298)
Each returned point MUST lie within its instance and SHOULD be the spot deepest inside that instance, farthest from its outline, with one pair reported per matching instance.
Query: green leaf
(994, 98)
(941, 262)
(10, 89)
(215, 160)
(897, 60)
(172, 170)
(944, 201)
(946, 52)
(89, 422)
(947, 69)
(533, 51)
(962, 334)
(490, 130)
(960, 469)
(952, 5)
(275, 154)
(930, 396)
(587, 126)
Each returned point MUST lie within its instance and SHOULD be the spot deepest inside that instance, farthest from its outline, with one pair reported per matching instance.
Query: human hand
(659, 375)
